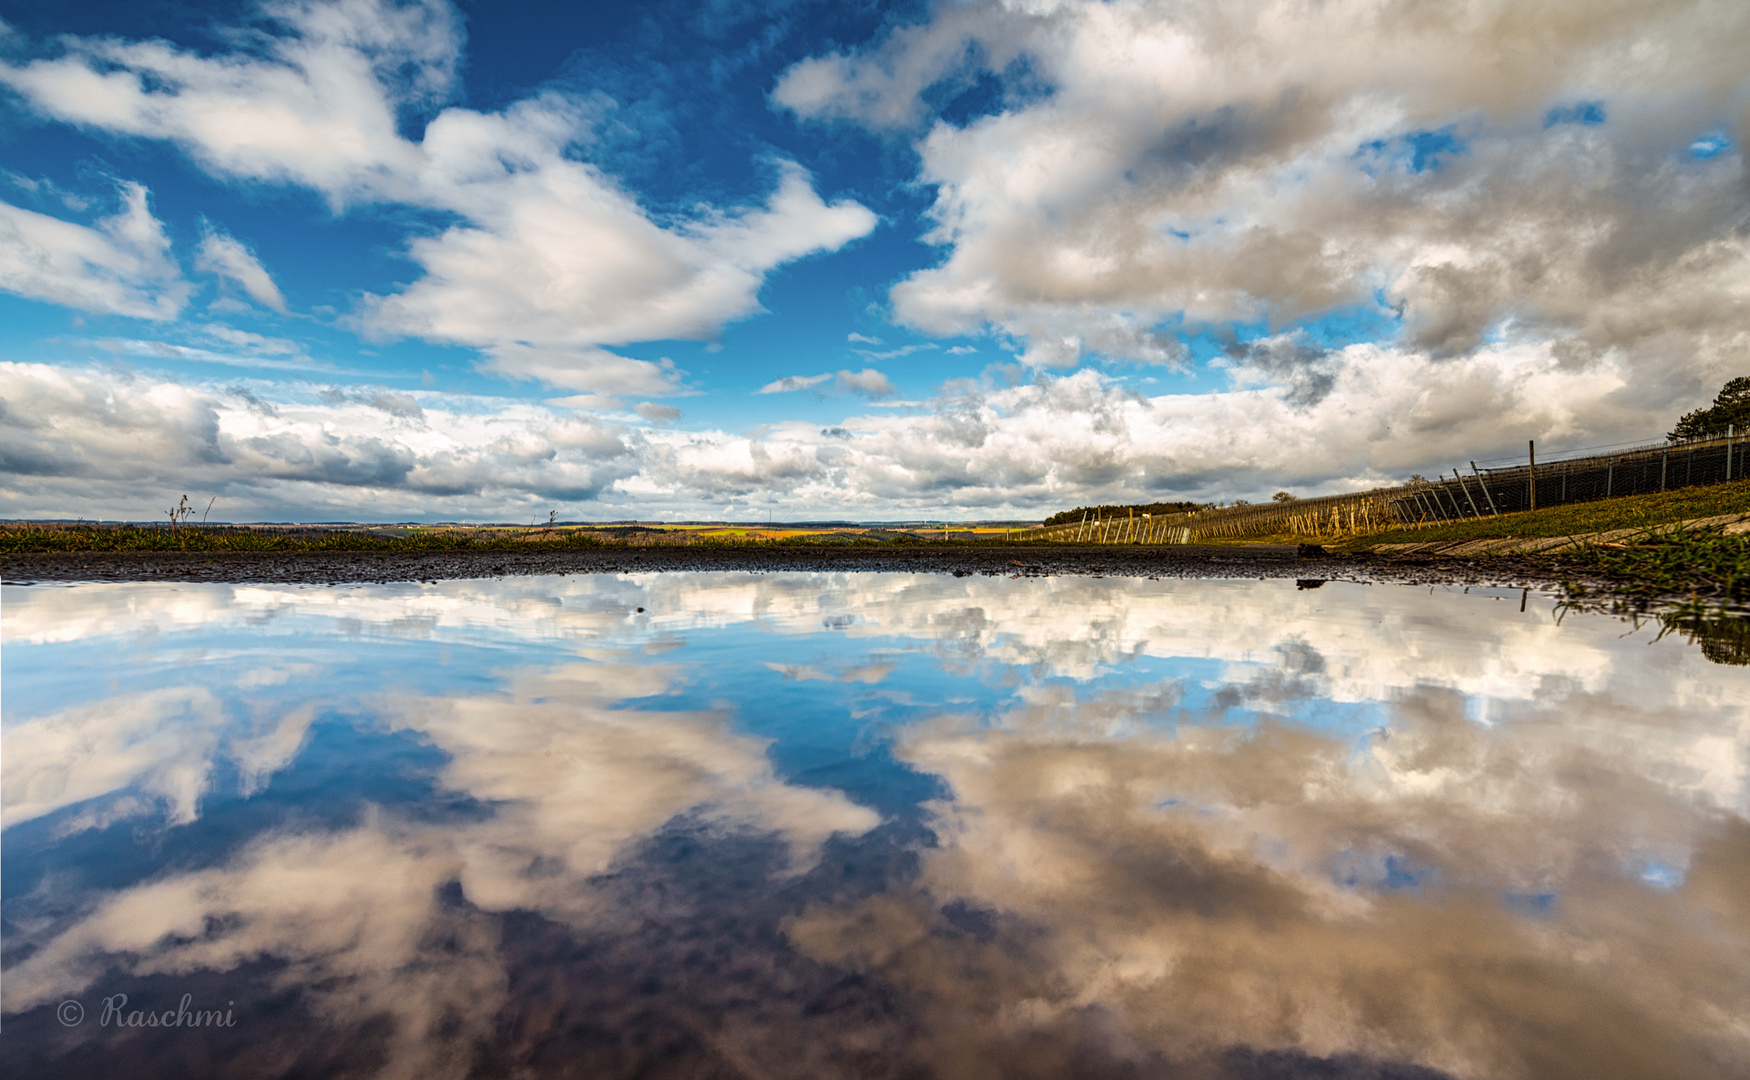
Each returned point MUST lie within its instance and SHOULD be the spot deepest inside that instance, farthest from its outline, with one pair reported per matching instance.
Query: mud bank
(1228, 561)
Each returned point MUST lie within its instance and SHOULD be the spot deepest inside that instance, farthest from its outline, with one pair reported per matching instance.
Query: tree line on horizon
(1107, 510)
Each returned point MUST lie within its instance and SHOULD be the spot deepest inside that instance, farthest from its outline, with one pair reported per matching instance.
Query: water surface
(866, 825)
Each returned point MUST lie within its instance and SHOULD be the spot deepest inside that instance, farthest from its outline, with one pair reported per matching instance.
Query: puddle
(868, 825)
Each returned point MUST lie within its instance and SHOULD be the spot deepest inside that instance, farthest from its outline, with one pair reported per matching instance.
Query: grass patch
(1629, 512)
(1701, 565)
(220, 539)
(19, 539)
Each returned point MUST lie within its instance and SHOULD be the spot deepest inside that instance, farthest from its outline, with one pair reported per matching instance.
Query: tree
(1104, 511)
(1282, 496)
(1731, 409)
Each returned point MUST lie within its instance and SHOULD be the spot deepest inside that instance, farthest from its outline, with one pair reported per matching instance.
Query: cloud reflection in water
(572, 781)
(1465, 897)
(1181, 828)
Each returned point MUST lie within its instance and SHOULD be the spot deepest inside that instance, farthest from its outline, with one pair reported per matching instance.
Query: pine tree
(1730, 409)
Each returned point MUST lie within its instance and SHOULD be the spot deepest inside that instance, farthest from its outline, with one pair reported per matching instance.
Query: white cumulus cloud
(314, 105)
(96, 443)
(1481, 170)
(120, 266)
(868, 383)
(226, 257)
(548, 259)
(793, 382)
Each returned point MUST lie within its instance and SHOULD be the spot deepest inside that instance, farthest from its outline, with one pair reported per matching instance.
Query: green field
(1631, 512)
(27, 537)
(17, 539)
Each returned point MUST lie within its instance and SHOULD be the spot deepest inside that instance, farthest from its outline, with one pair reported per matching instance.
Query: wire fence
(1328, 515)
(1640, 470)
(1507, 489)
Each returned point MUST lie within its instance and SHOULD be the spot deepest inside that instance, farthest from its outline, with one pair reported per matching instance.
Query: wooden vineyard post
(1531, 483)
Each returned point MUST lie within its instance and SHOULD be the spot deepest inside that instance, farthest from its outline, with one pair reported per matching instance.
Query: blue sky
(366, 259)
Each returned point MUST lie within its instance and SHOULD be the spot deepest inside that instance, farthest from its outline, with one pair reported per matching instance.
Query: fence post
(1485, 487)
(1663, 455)
(1731, 429)
(1457, 507)
(1531, 483)
(1467, 498)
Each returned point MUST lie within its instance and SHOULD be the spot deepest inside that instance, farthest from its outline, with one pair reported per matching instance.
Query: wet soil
(1226, 561)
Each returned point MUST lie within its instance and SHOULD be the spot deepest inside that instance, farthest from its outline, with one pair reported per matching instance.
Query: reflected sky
(868, 825)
